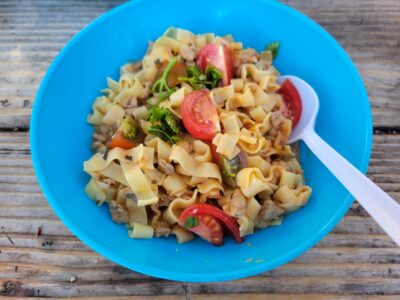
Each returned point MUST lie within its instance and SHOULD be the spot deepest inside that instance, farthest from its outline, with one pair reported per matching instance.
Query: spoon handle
(383, 208)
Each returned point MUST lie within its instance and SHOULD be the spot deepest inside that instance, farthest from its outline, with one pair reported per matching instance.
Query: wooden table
(40, 257)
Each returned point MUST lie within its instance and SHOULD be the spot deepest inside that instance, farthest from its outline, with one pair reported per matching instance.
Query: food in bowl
(192, 139)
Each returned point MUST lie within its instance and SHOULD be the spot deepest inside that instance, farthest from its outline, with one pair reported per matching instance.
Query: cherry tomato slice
(209, 229)
(121, 142)
(216, 157)
(217, 56)
(206, 209)
(291, 107)
(200, 115)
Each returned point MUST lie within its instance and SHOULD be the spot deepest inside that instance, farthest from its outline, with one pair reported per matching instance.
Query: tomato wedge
(208, 228)
(127, 136)
(120, 141)
(206, 209)
(216, 157)
(200, 115)
(291, 106)
(217, 56)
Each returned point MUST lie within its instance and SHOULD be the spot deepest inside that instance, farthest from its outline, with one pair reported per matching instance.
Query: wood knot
(47, 243)
(14, 288)
(10, 288)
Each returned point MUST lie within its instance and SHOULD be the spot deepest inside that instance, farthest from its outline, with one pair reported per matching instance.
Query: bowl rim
(249, 270)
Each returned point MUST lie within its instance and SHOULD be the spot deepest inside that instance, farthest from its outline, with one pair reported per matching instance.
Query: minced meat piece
(119, 213)
(165, 167)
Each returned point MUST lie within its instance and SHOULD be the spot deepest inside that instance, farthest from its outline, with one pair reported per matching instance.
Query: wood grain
(356, 258)
(367, 29)
(355, 261)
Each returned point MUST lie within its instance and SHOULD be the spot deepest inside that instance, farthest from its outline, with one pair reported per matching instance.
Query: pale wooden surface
(353, 261)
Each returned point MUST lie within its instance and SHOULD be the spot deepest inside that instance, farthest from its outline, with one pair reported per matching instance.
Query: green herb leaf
(128, 129)
(164, 124)
(159, 131)
(193, 71)
(213, 76)
(191, 221)
(274, 48)
(198, 80)
(172, 123)
(161, 85)
(157, 114)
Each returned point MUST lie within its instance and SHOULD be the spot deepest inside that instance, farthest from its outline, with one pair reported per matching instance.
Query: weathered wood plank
(241, 296)
(353, 250)
(65, 243)
(355, 260)
(369, 32)
(59, 274)
(17, 175)
(52, 226)
(89, 259)
(291, 285)
(291, 297)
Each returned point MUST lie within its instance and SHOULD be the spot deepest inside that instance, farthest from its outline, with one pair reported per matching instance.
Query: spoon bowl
(309, 110)
(383, 208)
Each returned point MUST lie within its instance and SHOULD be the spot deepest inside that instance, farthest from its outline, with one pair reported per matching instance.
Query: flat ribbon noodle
(177, 206)
(251, 181)
(193, 167)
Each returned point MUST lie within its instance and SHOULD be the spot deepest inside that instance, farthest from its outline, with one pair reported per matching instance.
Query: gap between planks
(50, 273)
(291, 285)
(240, 296)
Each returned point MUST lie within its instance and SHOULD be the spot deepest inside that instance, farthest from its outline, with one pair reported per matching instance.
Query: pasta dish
(192, 140)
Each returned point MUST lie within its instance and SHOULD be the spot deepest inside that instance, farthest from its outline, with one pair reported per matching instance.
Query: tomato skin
(217, 56)
(121, 142)
(291, 106)
(216, 157)
(209, 229)
(200, 115)
(206, 209)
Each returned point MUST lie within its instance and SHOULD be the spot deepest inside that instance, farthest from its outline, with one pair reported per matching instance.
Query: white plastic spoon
(383, 208)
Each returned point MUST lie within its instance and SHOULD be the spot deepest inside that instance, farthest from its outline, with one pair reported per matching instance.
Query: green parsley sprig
(273, 48)
(198, 80)
(164, 124)
(191, 221)
(161, 85)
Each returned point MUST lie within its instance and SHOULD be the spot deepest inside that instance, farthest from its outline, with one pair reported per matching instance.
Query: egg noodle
(160, 169)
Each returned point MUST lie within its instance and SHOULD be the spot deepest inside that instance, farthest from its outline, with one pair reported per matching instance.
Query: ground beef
(245, 56)
(119, 213)
(162, 228)
(137, 66)
(101, 136)
(165, 167)
(248, 55)
(236, 204)
(134, 67)
(131, 102)
(270, 211)
(188, 52)
(146, 90)
(164, 200)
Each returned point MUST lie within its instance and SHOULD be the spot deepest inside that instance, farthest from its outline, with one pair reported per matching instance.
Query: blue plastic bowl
(61, 138)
